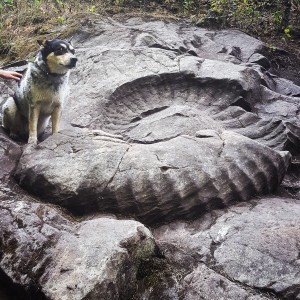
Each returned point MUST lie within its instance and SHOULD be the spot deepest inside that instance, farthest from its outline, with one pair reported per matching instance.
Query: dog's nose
(73, 61)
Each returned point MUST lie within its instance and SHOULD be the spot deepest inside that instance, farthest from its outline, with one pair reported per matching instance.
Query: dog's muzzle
(73, 62)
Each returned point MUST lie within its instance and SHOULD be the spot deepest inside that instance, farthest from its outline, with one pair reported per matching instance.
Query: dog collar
(44, 68)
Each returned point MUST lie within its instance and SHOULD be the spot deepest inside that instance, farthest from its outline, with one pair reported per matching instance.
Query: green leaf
(92, 8)
(60, 19)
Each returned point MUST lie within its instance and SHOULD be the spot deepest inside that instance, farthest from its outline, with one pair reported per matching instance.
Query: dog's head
(58, 55)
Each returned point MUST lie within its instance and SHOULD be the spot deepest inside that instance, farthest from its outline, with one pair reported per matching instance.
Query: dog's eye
(60, 51)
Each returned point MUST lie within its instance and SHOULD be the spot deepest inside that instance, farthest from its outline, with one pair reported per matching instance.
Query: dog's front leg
(55, 116)
(34, 113)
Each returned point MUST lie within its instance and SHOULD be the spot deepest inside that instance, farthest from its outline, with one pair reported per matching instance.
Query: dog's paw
(32, 140)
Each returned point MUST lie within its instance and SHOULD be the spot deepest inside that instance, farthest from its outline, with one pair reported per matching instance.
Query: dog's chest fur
(39, 87)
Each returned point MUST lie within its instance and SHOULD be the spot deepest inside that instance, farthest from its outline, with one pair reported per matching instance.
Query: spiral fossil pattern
(186, 176)
(183, 104)
(179, 159)
(138, 101)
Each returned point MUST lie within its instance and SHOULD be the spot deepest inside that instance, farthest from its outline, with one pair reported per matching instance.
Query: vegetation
(22, 22)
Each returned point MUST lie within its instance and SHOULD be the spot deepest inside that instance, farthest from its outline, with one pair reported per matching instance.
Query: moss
(152, 266)
(153, 270)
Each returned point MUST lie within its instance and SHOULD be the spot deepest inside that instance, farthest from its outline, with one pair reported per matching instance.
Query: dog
(41, 93)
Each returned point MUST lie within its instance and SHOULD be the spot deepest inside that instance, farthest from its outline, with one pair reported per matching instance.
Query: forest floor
(285, 60)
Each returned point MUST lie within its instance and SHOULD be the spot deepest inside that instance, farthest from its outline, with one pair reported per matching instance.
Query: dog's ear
(43, 43)
(70, 40)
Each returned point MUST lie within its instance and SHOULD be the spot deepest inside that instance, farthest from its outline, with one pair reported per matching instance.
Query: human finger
(16, 75)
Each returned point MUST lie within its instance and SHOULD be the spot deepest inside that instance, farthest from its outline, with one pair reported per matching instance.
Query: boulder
(54, 257)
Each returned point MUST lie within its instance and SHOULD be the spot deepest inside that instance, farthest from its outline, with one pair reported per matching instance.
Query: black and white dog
(41, 93)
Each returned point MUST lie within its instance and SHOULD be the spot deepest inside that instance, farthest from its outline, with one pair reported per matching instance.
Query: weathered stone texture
(166, 122)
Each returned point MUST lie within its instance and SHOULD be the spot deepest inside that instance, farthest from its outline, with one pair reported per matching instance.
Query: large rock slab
(180, 177)
(254, 245)
(158, 84)
(144, 64)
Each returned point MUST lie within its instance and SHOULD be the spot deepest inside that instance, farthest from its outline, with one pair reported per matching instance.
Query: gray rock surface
(152, 90)
(204, 283)
(94, 259)
(180, 177)
(252, 245)
(61, 259)
(165, 121)
(161, 60)
(46, 254)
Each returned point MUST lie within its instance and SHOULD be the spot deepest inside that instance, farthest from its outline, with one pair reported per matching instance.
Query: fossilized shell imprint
(156, 108)
(188, 175)
(178, 161)
(176, 103)
(180, 177)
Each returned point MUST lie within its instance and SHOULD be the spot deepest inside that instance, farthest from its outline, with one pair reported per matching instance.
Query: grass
(23, 22)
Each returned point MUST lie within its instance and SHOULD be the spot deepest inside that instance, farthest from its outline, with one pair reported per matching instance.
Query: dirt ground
(285, 58)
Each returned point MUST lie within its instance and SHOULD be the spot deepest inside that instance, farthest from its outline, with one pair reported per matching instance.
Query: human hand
(10, 75)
